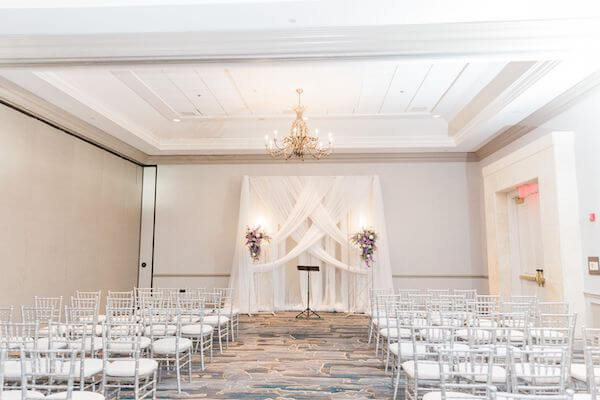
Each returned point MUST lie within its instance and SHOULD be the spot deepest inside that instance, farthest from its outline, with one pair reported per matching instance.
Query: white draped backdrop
(310, 220)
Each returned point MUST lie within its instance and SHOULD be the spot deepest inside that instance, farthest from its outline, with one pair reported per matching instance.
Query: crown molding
(518, 40)
(334, 158)
(561, 103)
(28, 103)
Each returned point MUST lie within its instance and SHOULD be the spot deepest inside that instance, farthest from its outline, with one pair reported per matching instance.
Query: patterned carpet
(280, 357)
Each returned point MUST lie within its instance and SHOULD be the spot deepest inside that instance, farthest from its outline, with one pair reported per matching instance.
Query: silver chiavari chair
(404, 350)
(163, 326)
(230, 312)
(588, 373)
(217, 319)
(422, 372)
(553, 307)
(376, 315)
(124, 368)
(392, 334)
(464, 374)
(483, 308)
(14, 336)
(191, 310)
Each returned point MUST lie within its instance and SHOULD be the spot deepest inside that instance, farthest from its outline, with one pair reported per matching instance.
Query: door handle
(143, 265)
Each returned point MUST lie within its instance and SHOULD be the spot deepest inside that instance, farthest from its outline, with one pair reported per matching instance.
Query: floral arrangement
(254, 239)
(365, 239)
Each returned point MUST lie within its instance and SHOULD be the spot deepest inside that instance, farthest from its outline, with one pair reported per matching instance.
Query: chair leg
(154, 387)
(387, 357)
(202, 353)
(190, 364)
(377, 344)
(220, 342)
(178, 373)
(370, 331)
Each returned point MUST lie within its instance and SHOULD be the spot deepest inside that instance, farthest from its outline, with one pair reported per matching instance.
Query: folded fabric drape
(310, 219)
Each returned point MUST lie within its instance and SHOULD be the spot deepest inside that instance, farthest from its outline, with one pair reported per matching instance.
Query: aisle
(279, 357)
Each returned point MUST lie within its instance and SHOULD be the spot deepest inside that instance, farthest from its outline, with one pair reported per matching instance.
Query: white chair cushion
(17, 395)
(514, 335)
(579, 372)
(168, 345)
(126, 368)
(216, 320)
(126, 347)
(159, 330)
(44, 344)
(582, 396)
(406, 349)
(449, 395)
(90, 344)
(425, 369)
(187, 319)
(393, 332)
(91, 367)
(498, 372)
(56, 329)
(76, 395)
(197, 330)
(12, 370)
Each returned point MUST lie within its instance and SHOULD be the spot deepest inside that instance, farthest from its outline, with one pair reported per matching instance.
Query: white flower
(371, 237)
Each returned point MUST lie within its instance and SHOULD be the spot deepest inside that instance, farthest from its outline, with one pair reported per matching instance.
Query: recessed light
(176, 120)
(436, 115)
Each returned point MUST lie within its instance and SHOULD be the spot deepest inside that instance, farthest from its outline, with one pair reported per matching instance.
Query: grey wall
(69, 213)
(432, 209)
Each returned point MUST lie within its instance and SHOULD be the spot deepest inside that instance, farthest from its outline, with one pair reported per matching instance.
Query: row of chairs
(416, 330)
(142, 334)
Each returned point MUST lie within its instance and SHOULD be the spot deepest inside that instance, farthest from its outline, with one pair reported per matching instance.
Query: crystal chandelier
(298, 143)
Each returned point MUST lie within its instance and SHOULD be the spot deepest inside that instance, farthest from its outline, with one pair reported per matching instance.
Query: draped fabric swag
(310, 220)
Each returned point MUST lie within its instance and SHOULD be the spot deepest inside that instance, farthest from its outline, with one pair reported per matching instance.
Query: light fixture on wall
(299, 143)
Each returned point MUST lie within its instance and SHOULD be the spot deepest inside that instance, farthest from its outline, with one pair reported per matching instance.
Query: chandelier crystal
(299, 143)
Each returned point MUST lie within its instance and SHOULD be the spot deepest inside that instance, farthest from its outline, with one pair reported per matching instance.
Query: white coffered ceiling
(380, 89)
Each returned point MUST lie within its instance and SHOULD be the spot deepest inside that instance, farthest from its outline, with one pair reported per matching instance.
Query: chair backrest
(553, 307)
(469, 294)
(458, 302)
(120, 300)
(438, 292)
(54, 303)
(121, 338)
(49, 370)
(484, 305)
(16, 335)
(539, 371)
(465, 371)
(6, 313)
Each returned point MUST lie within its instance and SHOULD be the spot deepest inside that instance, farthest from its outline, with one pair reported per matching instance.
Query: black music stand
(306, 313)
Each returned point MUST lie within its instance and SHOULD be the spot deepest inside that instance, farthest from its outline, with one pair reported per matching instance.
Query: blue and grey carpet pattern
(280, 357)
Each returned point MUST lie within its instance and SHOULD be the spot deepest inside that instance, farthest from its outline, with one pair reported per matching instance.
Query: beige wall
(69, 213)
(432, 210)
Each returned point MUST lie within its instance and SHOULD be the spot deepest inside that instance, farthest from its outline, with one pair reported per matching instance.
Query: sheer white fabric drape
(310, 220)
